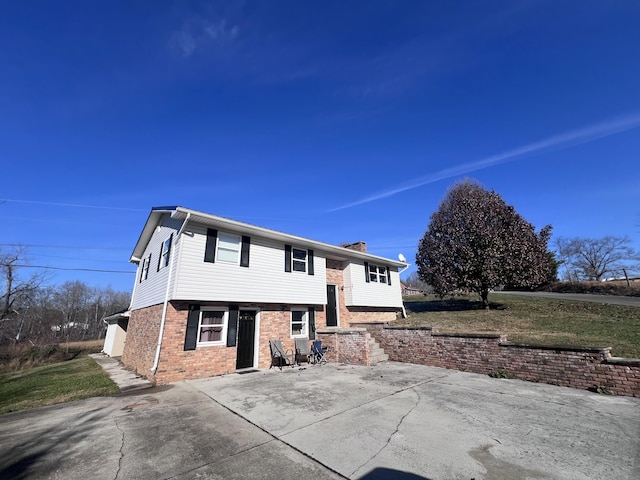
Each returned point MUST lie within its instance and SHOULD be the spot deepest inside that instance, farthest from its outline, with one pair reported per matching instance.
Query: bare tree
(596, 258)
(16, 292)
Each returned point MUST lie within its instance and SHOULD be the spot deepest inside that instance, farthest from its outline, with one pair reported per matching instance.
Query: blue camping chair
(318, 352)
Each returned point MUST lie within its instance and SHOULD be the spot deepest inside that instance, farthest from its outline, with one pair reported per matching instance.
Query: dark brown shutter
(191, 335)
(287, 258)
(232, 328)
(310, 262)
(366, 272)
(244, 253)
(388, 276)
(312, 323)
(210, 248)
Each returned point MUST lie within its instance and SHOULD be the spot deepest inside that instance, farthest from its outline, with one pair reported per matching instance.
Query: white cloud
(199, 33)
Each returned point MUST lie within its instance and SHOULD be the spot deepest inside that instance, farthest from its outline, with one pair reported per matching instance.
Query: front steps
(376, 353)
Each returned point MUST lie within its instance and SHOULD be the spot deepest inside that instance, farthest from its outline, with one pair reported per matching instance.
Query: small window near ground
(299, 323)
(212, 327)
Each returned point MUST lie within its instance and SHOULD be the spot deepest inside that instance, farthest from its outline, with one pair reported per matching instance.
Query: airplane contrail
(564, 140)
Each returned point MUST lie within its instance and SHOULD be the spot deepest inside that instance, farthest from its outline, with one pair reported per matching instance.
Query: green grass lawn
(533, 320)
(55, 383)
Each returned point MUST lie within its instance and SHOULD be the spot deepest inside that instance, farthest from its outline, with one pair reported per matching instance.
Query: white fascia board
(331, 251)
(147, 232)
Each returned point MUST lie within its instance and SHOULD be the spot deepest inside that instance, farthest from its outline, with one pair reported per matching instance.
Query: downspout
(156, 360)
(404, 311)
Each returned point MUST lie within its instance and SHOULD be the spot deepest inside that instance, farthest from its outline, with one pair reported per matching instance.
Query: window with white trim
(299, 258)
(212, 327)
(144, 270)
(377, 274)
(229, 248)
(164, 253)
(299, 322)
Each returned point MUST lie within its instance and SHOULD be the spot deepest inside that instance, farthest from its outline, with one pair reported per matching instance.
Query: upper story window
(377, 273)
(144, 270)
(298, 260)
(227, 248)
(212, 327)
(165, 252)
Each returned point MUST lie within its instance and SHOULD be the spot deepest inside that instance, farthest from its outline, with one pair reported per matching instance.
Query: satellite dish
(402, 258)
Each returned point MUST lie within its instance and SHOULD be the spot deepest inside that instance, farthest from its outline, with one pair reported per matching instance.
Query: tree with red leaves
(476, 242)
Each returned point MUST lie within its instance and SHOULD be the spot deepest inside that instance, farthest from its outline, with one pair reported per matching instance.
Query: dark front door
(332, 311)
(246, 338)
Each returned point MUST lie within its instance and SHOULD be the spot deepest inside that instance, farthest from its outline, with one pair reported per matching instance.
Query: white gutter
(156, 360)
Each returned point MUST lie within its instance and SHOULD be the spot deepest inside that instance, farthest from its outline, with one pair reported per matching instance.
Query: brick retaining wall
(346, 345)
(577, 367)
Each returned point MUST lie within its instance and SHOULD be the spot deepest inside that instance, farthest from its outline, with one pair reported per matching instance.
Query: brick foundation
(176, 364)
(577, 367)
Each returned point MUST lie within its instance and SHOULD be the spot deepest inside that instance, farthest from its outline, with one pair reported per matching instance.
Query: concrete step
(376, 353)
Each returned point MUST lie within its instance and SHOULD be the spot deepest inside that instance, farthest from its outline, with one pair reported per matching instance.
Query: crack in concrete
(355, 407)
(397, 429)
(215, 462)
(120, 451)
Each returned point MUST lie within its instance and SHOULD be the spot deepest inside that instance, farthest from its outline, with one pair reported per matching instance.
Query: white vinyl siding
(151, 291)
(264, 281)
(358, 292)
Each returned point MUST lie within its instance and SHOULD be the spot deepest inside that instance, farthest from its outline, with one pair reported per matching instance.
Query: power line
(75, 269)
(76, 247)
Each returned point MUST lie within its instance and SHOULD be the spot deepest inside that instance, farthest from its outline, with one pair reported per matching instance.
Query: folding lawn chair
(318, 352)
(279, 356)
(303, 353)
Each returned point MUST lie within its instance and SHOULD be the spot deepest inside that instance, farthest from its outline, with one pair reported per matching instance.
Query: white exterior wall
(114, 340)
(264, 281)
(152, 291)
(360, 293)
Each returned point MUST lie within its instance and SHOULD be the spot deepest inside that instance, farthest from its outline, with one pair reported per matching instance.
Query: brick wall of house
(176, 364)
(575, 367)
(141, 340)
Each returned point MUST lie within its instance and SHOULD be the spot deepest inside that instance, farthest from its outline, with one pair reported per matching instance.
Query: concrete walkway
(125, 379)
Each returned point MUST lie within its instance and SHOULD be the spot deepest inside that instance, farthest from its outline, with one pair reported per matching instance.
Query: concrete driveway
(375, 422)
(389, 421)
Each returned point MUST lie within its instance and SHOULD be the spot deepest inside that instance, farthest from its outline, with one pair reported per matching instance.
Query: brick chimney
(358, 246)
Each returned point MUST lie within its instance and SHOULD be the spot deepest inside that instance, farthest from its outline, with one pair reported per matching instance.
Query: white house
(210, 293)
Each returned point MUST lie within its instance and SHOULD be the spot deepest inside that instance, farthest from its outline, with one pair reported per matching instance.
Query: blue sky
(337, 121)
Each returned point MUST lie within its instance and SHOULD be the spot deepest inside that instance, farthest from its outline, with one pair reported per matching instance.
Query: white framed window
(229, 248)
(299, 322)
(144, 271)
(212, 326)
(299, 258)
(377, 274)
(165, 251)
